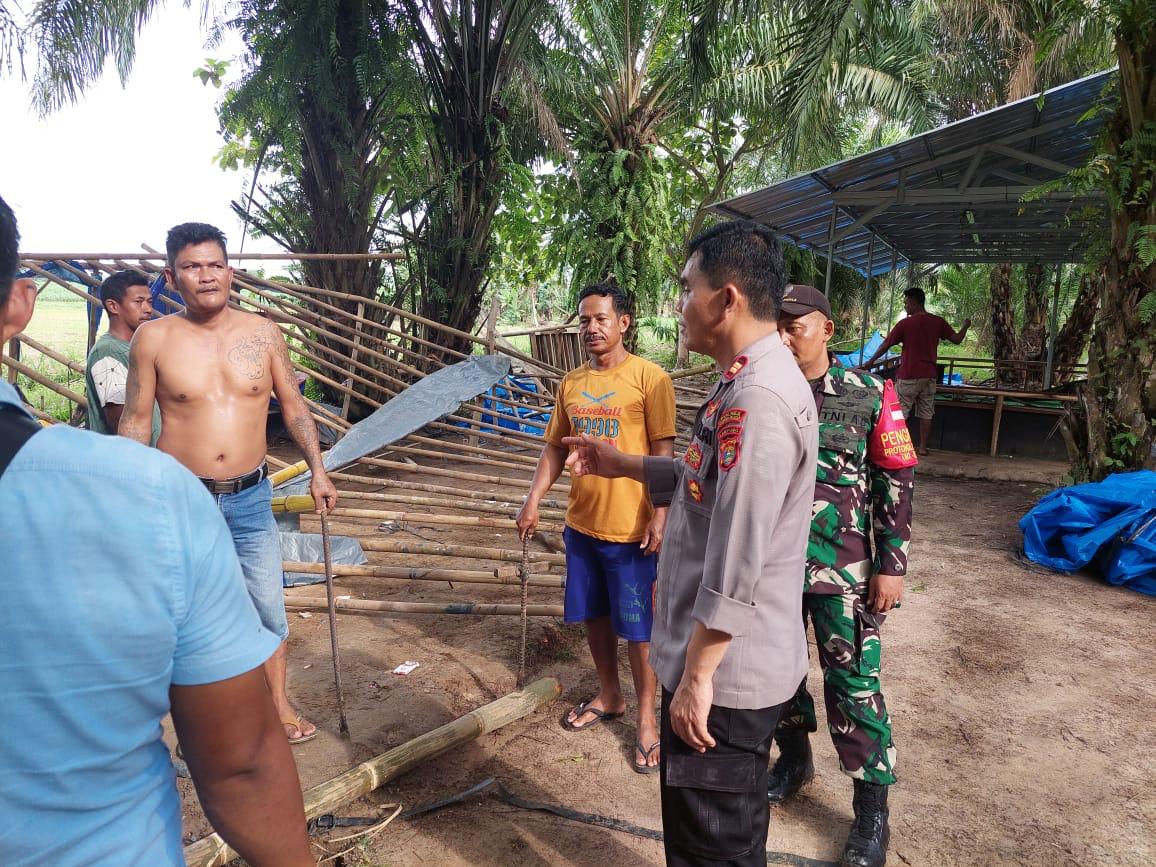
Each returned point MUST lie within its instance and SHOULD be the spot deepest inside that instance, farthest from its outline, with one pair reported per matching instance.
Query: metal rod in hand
(524, 575)
(333, 623)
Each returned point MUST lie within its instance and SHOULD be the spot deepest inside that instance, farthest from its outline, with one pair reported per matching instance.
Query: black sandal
(646, 768)
(584, 708)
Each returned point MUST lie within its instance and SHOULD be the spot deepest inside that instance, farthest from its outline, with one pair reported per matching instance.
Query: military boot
(793, 768)
(867, 843)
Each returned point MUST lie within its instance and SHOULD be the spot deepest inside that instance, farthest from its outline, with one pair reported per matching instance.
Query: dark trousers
(714, 804)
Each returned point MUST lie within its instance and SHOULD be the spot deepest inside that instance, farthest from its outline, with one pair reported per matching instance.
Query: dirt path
(1022, 704)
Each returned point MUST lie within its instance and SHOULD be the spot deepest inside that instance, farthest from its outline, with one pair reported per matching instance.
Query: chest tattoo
(248, 356)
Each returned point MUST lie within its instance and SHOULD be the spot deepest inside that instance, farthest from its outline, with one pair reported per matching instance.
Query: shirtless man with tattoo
(212, 370)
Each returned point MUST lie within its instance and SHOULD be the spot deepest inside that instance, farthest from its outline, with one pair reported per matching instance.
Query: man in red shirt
(920, 333)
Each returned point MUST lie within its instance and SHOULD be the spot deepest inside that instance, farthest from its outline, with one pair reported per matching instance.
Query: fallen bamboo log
(469, 552)
(51, 353)
(462, 459)
(326, 797)
(414, 573)
(375, 606)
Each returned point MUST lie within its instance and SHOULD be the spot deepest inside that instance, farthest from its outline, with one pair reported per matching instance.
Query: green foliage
(212, 72)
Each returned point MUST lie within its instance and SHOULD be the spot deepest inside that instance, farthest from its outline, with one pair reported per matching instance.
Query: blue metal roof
(954, 194)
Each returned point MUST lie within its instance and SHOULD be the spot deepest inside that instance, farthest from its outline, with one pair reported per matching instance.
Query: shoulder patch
(730, 444)
(737, 365)
(731, 416)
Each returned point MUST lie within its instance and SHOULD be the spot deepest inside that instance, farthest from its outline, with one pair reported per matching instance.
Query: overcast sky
(121, 167)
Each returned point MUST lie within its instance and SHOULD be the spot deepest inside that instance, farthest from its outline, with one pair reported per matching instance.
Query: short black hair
(116, 285)
(749, 256)
(916, 293)
(188, 234)
(9, 250)
(622, 300)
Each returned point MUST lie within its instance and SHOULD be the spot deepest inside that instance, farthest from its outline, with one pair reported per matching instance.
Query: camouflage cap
(799, 300)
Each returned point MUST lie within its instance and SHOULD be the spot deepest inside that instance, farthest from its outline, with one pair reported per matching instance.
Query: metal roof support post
(867, 298)
(891, 303)
(1053, 330)
(830, 248)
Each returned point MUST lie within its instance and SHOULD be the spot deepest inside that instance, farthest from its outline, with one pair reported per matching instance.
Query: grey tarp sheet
(308, 548)
(426, 400)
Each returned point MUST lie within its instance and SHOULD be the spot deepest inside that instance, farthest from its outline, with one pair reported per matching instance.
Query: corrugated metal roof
(954, 194)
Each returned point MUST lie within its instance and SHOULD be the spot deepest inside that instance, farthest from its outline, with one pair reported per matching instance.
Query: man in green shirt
(127, 301)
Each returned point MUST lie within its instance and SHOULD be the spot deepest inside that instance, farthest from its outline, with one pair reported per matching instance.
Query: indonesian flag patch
(694, 457)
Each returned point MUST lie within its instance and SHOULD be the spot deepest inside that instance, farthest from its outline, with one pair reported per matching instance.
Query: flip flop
(296, 723)
(584, 708)
(645, 769)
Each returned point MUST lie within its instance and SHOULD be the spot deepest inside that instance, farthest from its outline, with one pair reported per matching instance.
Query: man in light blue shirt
(123, 601)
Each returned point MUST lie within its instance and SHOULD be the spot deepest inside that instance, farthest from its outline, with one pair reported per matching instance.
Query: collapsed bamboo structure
(466, 473)
(212, 851)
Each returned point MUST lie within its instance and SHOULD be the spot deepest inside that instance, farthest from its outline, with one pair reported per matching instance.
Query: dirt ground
(1022, 703)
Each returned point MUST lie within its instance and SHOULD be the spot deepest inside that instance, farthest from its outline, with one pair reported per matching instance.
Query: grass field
(59, 322)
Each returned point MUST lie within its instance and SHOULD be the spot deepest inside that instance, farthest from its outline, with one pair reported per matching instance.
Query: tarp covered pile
(1109, 524)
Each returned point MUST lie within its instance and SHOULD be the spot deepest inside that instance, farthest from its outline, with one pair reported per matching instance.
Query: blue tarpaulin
(1109, 524)
(851, 359)
(510, 416)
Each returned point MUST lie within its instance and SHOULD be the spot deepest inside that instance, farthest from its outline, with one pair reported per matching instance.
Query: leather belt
(238, 483)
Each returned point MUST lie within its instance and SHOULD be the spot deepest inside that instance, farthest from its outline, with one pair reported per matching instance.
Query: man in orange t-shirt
(613, 533)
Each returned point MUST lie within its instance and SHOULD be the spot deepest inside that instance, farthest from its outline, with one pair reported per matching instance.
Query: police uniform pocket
(710, 794)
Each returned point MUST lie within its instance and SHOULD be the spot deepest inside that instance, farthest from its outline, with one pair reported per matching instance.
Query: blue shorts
(612, 579)
(249, 515)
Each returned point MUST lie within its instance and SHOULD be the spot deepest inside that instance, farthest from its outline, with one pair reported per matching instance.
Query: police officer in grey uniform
(727, 643)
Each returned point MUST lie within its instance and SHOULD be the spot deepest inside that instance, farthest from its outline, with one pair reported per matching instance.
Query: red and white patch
(712, 408)
(730, 444)
(737, 365)
(694, 490)
(694, 457)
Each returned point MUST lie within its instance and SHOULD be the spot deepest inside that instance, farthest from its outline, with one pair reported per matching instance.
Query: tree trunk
(1115, 424)
(1003, 330)
(1033, 341)
(1073, 336)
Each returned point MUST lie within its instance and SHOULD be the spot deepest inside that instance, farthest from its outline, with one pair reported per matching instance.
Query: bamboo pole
(51, 353)
(491, 507)
(460, 475)
(471, 552)
(413, 573)
(300, 504)
(40, 378)
(466, 459)
(474, 450)
(489, 496)
(375, 606)
(212, 851)
(693, 371)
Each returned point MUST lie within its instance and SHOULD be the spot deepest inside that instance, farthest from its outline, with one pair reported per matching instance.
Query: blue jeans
(249, 515)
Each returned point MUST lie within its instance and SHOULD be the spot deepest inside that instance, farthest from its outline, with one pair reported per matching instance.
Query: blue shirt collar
(8, 394)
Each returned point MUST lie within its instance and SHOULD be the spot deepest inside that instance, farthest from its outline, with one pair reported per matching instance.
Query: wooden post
(348, 399)
(997, 416)
(212, 851)
(13, 352)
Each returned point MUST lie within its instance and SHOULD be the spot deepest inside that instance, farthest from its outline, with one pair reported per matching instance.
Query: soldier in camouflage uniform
(856, 559)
